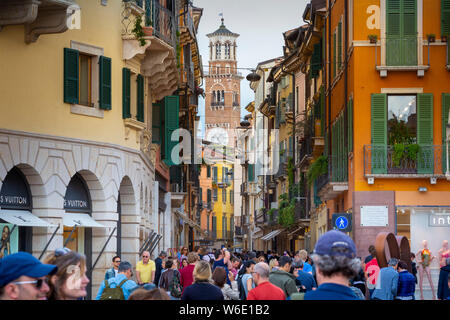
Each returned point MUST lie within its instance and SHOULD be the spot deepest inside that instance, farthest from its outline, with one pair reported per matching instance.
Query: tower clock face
(218, 136)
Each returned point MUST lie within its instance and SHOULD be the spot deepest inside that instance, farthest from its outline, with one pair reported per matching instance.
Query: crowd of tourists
(331, 272)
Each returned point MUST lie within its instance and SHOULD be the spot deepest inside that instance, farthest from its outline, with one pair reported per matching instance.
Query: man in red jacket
(187, 277)
(264, 290)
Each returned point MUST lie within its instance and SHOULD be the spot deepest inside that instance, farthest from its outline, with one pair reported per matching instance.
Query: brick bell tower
(222, 88)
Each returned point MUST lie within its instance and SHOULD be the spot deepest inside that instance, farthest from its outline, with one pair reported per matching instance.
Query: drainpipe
(329, 82)
(346, 73)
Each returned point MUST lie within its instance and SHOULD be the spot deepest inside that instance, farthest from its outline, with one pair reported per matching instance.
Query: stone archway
(129, 222)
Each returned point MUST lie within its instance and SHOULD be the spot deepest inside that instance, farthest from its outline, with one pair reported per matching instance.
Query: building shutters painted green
(71, 75)
(339, 45)
(445, 111)
(445, 18)
(105, 83)
(171, 124)
(316, 60)
(350, 125)
(157, 116)
(200, 195)
(126, 85)
(215, 174)
(214, 227)
(379, 133)
(140, 98)
(208, 171)
(208, 196)
(401, 34)
(251, 172)
(334, 55)
(425, 159)
(322, 111)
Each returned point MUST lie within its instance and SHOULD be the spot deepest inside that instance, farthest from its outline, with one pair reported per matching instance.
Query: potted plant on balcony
(444, 38)
(373, 38)
(431, 37)
(404, 149)
(318, 168)
(138, 32)
(148, 28)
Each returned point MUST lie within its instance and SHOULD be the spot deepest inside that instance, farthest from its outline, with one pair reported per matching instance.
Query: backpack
(175, 287)
(113, 293)
(241, 289)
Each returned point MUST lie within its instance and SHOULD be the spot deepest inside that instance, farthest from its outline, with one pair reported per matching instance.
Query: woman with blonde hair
(202, 289)
(70, 281)
(273, 264)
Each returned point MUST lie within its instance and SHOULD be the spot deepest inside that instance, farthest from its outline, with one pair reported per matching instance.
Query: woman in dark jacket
(167, 276)
(202, 289)
(443, 290)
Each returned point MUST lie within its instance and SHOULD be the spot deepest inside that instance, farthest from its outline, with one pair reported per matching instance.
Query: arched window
(227, 51)
(218, 96)
(218, 51)
(223, 96)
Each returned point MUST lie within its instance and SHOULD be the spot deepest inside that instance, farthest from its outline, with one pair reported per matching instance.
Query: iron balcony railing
(163, 20)
(384, 160)
(188, 21)
(322, 181)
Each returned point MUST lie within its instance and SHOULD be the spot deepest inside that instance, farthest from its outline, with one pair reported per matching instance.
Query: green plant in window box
(138, 31)
(318, 168)
(373, 38)
(431, 37)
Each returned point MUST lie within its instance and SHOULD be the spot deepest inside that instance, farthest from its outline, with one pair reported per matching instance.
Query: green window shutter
(445, 110)
(156, 122)
(339, 46)
(208, 171)
(215, 174)
(171, 120)
(316, 60)
(105, 83)
(379, 133)
(334, 55)
(334, 153)
(322, 111)
(224, 195)
(214, 227)
(425, 160)
(126, 76)
(401, 34)
(71, 75)
(250, 172)
(325, 149)
(208, 195)
(350, 125)
(140, 98)
(200, 195)
(215, 194)
(445, 18)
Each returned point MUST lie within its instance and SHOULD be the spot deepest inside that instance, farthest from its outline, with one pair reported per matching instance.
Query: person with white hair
(264, 289)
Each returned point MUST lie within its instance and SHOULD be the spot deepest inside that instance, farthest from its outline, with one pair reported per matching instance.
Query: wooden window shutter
(425, 159)
(316, 60)
(215, 174)
(171, 121)
(71, 75)
(350, 125)
(200, 195)
(208, 195)
(105, 83)
(445, 110)
(126, 76)
(208, 171)
(379, 133)
(334, 55)
(409, 41)
(140, 98)
(339, 45)
(445, 18)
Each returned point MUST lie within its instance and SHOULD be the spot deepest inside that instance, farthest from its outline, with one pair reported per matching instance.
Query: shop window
(404, 223)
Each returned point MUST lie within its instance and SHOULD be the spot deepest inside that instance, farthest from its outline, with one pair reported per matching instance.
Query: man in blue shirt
(336, 263)
(406, 283)
(387, 282)
(124, 274)
(305, 281)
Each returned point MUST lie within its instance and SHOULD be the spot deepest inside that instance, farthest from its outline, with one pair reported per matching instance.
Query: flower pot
(373, 39)
(444, 38)
(148, 31)
(431, 39)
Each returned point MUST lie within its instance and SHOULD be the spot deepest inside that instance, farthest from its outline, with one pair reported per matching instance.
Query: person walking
(304, 280)
(406, 283)
(145, 269)
(158, 266)
(335, 259)
(202, 289)
(187, 273)
(245, 279)
(222, 257)
(123, 281)
(387, 282)
(282, 277)
(23, 277)
(264, 289)
(219, 277)
(443, 288)
(167, 281)
(112, 272)
(70, 281)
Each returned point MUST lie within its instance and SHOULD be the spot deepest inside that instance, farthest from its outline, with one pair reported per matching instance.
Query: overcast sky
(260, 23)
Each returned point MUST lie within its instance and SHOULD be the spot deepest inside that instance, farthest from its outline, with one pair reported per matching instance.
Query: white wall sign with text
(374, 216)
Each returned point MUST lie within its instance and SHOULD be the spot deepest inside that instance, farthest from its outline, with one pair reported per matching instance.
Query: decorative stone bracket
(39, 17)
(132, 124)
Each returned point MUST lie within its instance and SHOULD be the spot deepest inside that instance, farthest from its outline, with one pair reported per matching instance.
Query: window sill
(384, 69)
(86, 111)
(134, 124)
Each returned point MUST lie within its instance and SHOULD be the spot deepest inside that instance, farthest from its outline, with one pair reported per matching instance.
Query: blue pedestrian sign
(342, 221)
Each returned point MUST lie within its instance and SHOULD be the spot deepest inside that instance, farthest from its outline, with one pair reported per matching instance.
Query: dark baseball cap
(335, 243)
(20, 264)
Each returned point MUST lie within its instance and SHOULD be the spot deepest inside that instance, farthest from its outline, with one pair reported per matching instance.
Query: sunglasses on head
(38, 282)
(62, 251)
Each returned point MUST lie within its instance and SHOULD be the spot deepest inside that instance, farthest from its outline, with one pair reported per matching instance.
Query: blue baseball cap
(335, 243)
(20, 264)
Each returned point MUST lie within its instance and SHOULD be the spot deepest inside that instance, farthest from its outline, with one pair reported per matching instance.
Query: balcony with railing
(335, 181)
(409, 161)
